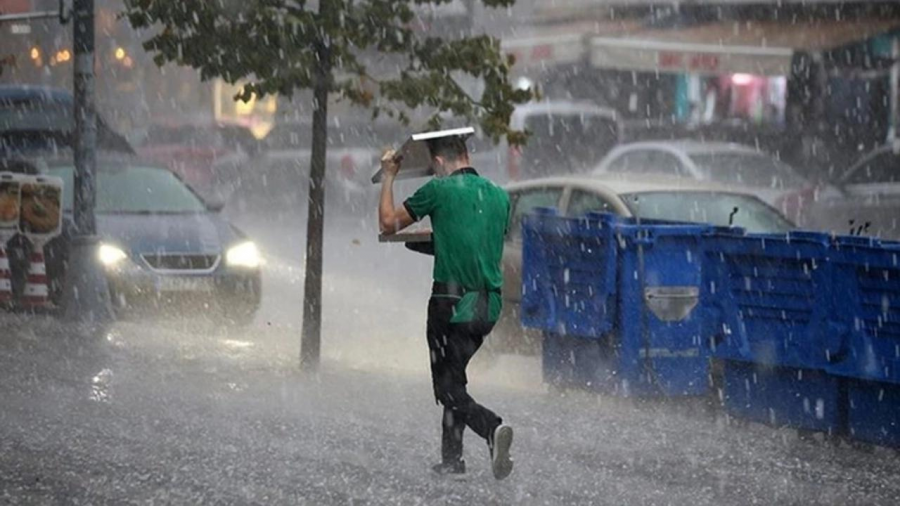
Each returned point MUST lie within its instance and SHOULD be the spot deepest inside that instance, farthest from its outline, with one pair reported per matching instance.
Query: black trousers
(451, 346)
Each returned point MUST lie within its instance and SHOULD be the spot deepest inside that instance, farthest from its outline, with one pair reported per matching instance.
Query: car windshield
(134, 189)
(708, 207)
(749, 169)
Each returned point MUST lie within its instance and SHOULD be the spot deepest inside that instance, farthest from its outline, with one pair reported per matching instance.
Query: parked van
(566, 138)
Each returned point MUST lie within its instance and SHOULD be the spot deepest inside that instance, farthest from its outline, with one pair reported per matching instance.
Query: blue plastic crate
(867, 293)
(770, 299)
(661, 346)
(617, 302)
(781, 396)
(568, 274)
(874, 412)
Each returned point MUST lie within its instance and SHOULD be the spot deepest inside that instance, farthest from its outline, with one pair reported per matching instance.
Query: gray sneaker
(501, 463)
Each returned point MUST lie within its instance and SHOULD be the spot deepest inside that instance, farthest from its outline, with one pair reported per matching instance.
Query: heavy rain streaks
(699, 273)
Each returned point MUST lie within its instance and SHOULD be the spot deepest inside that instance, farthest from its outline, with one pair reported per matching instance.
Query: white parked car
(733, 165)
(870, 202)
(653, 198)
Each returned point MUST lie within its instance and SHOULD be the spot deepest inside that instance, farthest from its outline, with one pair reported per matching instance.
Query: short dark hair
(450, 148)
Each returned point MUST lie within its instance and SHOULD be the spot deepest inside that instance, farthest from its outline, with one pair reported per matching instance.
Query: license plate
(184, 284)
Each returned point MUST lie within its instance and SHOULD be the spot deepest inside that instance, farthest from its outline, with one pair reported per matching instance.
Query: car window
(525, 201)
(582, 202)
(751, 169)
(883, 168)
(131, 189)
(708, 207)
(664, 163)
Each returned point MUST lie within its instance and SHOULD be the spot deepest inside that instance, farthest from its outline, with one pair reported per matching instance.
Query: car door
(522, 202)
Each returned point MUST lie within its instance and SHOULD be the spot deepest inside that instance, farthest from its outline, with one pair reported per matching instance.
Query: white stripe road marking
(37, 269)
(5, 285)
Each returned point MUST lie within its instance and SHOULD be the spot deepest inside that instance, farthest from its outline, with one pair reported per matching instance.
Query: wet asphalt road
(181, 412)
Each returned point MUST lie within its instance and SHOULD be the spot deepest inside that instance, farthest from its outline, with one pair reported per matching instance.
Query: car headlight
(111, 255)
(243, 255)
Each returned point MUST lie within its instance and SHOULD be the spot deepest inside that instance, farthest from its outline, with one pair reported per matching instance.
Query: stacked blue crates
(767, 308)
(806, 325)
(867, 284)
(617, 302)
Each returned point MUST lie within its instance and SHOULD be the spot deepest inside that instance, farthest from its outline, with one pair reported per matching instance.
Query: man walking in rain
(469, 217)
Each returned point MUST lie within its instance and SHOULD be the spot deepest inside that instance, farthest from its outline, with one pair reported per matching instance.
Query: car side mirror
(215, 203)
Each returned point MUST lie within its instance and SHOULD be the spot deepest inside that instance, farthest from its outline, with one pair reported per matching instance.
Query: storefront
(826, 79)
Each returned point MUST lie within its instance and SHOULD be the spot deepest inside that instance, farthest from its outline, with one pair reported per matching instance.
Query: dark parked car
(41, 117)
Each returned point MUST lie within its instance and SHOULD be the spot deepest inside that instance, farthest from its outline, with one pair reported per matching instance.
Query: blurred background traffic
(753, 113)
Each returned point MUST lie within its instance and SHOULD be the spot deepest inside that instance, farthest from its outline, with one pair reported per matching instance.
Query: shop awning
(555, 50)
(559, 45)
(762, 48)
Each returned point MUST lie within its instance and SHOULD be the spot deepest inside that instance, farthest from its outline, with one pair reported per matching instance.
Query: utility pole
(895, 90)
(85, 119)
(86, 297)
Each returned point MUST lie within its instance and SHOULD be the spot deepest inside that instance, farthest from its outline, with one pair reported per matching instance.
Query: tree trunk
(310, 341)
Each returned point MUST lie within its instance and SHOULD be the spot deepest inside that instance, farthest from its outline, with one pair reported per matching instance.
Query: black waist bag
(482, 302)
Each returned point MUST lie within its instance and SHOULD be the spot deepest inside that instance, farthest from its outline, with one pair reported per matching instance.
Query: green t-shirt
(469, 217)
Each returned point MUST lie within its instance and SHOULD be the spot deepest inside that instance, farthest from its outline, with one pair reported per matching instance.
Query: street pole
(86, 293)
(895, 90)
(85, 118)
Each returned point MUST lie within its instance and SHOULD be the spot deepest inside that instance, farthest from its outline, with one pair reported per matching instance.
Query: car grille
(181, 262)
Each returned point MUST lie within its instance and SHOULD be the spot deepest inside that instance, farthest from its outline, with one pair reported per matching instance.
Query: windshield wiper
(731, 216)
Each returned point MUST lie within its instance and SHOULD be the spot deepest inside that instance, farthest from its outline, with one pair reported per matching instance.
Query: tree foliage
(275, 45)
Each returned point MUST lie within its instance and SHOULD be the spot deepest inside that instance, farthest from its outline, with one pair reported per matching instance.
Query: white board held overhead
(415, 155)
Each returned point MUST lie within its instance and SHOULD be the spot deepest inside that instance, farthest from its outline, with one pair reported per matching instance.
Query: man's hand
(391, 219)
(390, 162)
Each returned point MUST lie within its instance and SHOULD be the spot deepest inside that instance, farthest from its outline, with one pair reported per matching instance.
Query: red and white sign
(15, 6)
(546, 50)
(661, 56)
